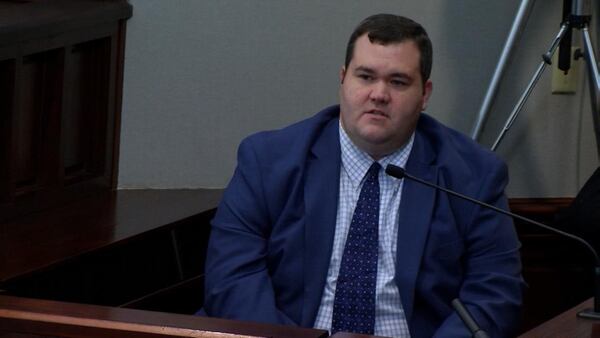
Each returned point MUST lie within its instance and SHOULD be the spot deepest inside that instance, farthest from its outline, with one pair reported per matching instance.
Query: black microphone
(466, 317)
(594, 313)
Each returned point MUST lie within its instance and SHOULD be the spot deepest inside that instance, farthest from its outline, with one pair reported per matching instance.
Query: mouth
(376, 113)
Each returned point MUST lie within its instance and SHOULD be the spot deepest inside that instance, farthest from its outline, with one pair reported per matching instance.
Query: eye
(398, 83)
(365, 77)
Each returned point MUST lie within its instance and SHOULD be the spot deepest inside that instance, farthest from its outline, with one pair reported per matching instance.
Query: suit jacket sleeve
(237, 284)
(492, 284)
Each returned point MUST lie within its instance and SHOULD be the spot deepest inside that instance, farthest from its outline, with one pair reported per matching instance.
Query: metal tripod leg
(594, 82)
(547, 59)
(513, 36)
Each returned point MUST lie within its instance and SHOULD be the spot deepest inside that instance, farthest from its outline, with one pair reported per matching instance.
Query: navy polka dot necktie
(354, 304)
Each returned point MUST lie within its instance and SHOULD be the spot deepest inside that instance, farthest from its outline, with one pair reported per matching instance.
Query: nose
(379, 93)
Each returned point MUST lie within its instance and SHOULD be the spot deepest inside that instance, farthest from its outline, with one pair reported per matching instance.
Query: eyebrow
(364, 69)
(372, 71)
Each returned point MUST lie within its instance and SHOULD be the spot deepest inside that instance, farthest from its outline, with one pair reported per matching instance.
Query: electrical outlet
(565, 83)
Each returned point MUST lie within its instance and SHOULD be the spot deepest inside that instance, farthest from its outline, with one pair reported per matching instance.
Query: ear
(427, 89)
(342, 74)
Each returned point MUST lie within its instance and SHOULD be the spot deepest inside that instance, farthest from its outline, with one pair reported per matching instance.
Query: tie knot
(374, 169)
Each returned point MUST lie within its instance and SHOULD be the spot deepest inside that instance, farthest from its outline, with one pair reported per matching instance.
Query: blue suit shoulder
(276, 160)
(458, 157)
(299, 135)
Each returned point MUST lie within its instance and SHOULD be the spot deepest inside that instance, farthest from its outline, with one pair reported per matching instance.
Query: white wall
(201, 75)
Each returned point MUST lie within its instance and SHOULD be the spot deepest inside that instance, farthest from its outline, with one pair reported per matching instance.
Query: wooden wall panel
(36, 140)
(27, 134)
(60, 106)
(85, 119)
(558, 271)
(7, 92)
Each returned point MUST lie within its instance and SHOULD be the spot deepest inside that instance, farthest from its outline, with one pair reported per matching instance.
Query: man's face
(381, 95)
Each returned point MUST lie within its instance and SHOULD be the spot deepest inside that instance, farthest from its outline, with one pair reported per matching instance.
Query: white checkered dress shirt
(389, 318)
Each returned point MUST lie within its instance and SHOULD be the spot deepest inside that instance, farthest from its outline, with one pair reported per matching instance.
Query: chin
(376, 136)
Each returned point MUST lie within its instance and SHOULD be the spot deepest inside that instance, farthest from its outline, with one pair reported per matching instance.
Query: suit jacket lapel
(416, 208)
(320, 200)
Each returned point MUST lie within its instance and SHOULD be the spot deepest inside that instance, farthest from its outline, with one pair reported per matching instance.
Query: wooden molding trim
(539, 205)
(62, 319)
(114, 325)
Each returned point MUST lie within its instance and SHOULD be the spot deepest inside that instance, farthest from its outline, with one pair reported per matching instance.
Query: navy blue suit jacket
(272, 236)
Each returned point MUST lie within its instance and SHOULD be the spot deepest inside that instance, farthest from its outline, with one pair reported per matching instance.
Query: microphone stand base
(589, 314)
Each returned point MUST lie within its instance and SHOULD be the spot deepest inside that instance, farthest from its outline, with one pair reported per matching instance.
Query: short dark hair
(388, 28)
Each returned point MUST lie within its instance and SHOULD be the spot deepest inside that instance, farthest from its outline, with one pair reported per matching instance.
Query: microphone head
(394, 171)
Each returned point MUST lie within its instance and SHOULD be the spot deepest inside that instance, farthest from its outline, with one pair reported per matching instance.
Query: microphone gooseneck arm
(400, 173)
(469, 321)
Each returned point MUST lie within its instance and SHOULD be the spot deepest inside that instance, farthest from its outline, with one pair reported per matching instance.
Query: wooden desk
(144, 249)
(567, 324)
(29, 318)
(40, 318)
(133, 248)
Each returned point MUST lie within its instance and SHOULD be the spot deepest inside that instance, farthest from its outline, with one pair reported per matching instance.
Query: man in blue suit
(280, 251)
